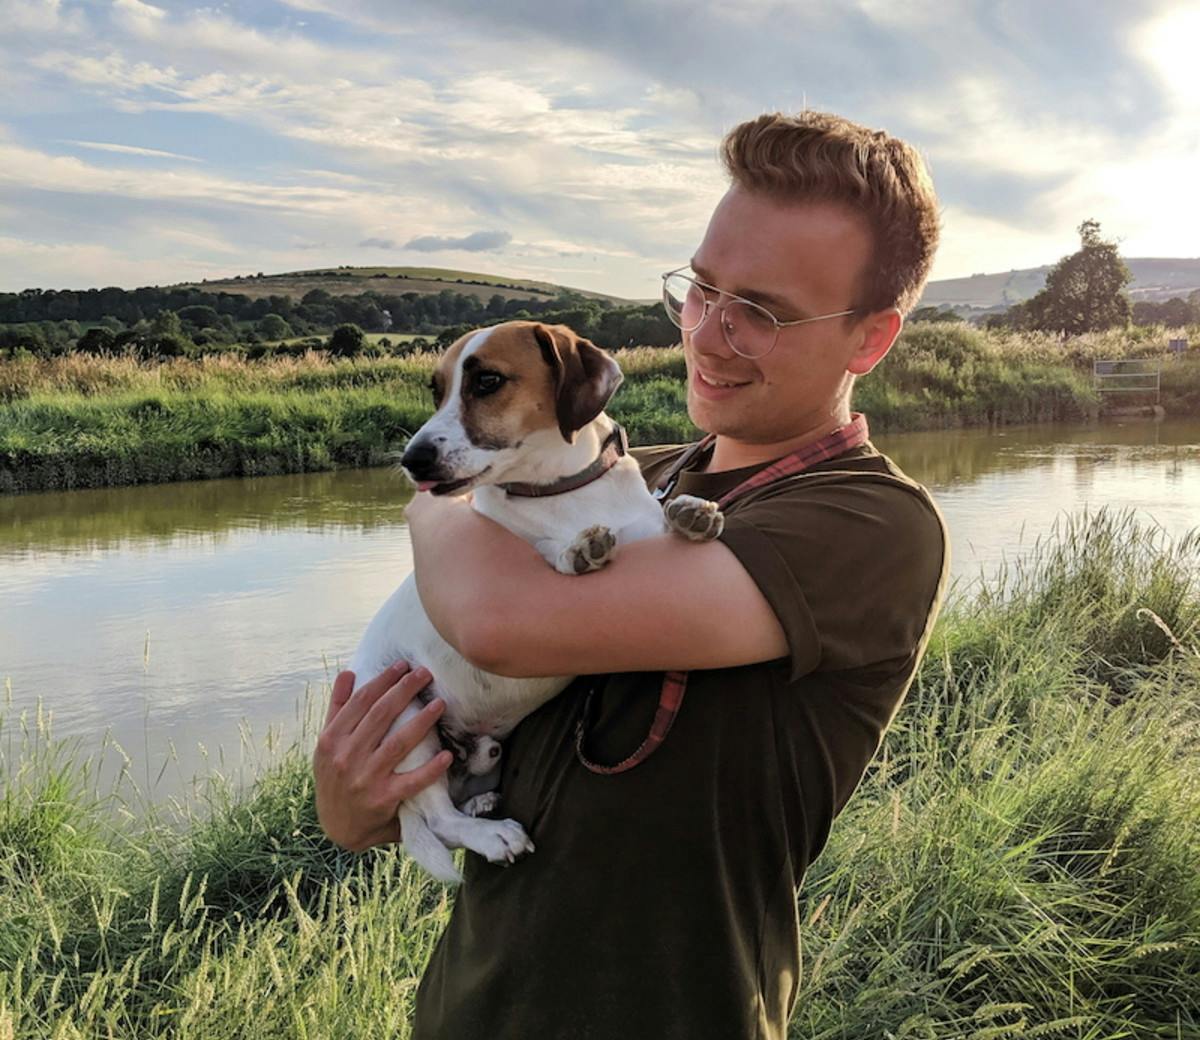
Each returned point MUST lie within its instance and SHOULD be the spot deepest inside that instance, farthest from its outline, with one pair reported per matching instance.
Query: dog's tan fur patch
(525, 401)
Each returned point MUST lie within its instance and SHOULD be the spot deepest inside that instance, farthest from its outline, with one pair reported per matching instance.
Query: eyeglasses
(750, 329)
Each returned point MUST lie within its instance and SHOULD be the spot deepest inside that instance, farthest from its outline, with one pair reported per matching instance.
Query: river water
(194, 622)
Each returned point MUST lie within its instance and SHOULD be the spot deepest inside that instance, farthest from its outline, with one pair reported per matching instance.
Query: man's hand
(357, 792)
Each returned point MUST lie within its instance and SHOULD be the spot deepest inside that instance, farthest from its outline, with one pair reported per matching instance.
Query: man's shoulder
(864, 474)
(859, 505)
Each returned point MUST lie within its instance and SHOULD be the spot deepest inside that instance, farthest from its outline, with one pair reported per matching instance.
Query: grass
(1020, 860)
(78, 421)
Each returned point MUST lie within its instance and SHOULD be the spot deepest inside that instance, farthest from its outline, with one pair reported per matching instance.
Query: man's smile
(714, 387)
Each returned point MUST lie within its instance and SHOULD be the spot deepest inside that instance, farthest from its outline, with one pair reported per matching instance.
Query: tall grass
(78, 421)
(1020, 860)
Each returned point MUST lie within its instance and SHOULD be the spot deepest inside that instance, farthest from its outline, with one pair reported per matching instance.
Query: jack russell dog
(520, 423)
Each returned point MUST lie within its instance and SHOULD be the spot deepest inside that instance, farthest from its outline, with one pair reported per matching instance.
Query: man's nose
(419, 458)
(709, 338)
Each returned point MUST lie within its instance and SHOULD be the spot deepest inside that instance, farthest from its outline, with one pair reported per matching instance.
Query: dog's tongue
(425, 485)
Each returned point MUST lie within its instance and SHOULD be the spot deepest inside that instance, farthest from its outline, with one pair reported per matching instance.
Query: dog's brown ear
(585, 377)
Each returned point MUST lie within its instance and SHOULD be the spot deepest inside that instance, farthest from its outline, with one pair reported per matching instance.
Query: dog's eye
(487, 382)
(436, 391)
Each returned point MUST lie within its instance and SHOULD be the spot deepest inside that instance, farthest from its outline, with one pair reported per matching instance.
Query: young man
(661, 901)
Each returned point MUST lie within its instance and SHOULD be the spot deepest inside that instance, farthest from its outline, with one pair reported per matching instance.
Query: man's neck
(734, 454)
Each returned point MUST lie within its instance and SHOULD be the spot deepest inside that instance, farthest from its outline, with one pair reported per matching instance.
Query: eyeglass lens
(748, 330)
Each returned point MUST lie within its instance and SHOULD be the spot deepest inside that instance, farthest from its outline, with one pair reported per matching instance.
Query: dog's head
(509, 398)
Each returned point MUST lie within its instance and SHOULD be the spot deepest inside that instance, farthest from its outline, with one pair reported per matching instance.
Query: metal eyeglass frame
(710, 306)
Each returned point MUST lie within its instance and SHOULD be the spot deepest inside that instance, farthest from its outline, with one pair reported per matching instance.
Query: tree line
(154, 322)
(317, 309)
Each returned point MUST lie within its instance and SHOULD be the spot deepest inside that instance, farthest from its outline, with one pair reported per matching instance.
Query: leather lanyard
(674, 685)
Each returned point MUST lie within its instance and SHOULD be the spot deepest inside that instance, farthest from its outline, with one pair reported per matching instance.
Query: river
(196, 623)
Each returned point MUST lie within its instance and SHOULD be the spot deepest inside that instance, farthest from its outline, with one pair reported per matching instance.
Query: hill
(1153, 279)
(348, 281)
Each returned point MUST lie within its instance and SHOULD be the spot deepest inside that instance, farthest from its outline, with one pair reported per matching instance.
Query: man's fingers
(387, 708)
(404, 785)
(395, 747)
(348, 717)
(343, 686)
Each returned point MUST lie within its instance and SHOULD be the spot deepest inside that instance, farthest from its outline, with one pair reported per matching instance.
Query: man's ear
(879, 333)
(585, 377)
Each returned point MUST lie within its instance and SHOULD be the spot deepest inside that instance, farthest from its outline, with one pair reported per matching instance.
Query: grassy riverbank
(1020, 860)
(89, 422)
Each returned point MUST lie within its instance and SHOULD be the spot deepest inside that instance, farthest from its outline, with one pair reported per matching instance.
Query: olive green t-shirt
(661, 902)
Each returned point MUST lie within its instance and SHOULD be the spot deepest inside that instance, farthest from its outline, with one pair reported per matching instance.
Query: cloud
(476, 242)
(599, 159)
(125, 149)
(39, 16)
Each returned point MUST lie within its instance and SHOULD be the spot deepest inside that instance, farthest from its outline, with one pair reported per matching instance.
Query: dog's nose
(419, 458)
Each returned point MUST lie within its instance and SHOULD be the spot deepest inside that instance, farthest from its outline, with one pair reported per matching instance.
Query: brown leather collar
(615, 445)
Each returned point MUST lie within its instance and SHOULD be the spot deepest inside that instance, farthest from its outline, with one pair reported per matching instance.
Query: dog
(520, 424)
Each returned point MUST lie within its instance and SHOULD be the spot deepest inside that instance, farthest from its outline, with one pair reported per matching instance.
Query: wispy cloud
(126, 149)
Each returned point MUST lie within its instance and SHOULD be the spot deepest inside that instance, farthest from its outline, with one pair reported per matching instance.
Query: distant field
(392, 280)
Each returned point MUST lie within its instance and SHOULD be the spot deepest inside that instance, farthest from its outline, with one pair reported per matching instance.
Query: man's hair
(818, 157)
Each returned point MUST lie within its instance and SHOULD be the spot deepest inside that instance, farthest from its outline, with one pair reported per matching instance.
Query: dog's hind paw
(590, 551)
(697, 519)
(481, 804)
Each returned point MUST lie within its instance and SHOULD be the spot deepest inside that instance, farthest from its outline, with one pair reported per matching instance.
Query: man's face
(798, 261)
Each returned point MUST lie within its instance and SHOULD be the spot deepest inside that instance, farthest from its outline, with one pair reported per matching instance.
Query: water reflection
(170, 613)
(102, 518)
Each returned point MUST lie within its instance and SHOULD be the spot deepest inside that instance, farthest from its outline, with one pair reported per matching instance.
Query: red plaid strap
(674, 686)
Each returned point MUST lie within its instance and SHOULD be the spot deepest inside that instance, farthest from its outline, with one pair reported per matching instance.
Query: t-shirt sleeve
(851, 567)
(655, 459)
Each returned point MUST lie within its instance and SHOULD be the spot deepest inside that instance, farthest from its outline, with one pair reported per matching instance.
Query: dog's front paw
(499, 841)
(697, 519)
(481, 804)
(590, 551)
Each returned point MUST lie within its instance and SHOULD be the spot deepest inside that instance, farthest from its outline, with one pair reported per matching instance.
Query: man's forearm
(463, 563)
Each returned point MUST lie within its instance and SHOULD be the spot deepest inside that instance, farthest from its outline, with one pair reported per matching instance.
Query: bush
(346, 341)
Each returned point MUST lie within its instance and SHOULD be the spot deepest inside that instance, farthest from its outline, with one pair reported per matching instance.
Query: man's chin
(709, 417)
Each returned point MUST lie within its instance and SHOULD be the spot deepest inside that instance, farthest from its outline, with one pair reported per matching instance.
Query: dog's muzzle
(420, 458)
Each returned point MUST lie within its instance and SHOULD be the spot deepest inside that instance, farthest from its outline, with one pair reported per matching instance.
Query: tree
(1174, 313)
(98, 340)
(1084, 291)
(166, 323)
(199, 316)
(272, 326)
(346, 341)
(932, 313)
(166, 337)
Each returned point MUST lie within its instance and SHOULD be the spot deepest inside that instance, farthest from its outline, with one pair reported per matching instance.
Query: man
(661, 901)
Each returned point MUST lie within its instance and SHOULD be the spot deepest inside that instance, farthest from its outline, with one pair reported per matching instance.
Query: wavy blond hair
(818, 157)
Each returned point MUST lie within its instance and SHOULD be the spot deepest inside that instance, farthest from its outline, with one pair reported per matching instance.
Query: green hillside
(347, 281)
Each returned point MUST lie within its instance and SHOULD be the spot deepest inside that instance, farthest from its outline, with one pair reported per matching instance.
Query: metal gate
(1128, 375)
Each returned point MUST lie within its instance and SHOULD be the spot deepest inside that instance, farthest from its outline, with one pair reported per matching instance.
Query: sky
(150, 143)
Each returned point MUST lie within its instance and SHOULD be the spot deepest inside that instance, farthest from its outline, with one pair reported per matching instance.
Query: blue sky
(148, 143)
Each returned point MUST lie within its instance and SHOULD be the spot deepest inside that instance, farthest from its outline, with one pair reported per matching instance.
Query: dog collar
(615, 445)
